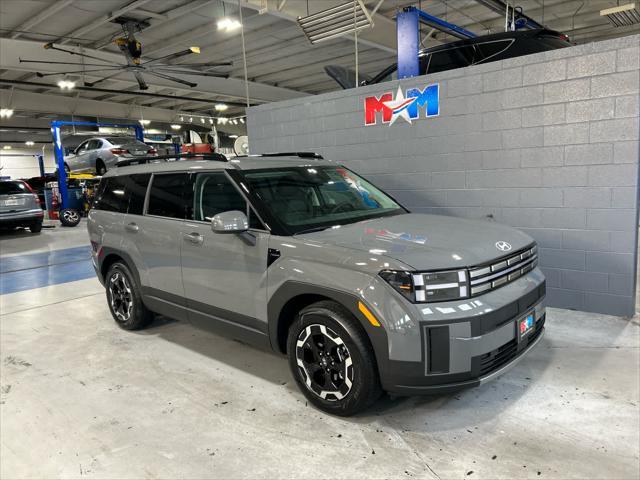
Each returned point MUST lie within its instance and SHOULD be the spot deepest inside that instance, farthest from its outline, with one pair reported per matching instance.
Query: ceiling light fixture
(66, 85)
(182, 119)
(202, 120)
(211, 121)
(242, 120)
(191, 119)
(228, 24)
(29, 143)
(7, 147)
(144, 122)
(6, 112)
(176, 127)
(221, 107)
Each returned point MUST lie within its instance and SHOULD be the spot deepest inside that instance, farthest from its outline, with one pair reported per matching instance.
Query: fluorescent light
(191, 119)
(242, 120)
(182, 119)
(233, 136)
(202, 120)
(211, 121)
(6, 147)
(66, 84)
(221, 107)
(228, 24)
(6, 112)
(176, 127)
(622, 15)
(144, 122)
(29, 143)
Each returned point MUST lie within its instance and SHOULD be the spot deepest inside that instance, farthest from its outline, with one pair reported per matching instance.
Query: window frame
(191, 181)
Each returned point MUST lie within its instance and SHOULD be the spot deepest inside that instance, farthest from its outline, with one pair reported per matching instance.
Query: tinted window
(111, 195)
(449, 59)
(95, 144)
(136, 190)
(489, 49)
(11, 188)
(167, 197)
(214, 194)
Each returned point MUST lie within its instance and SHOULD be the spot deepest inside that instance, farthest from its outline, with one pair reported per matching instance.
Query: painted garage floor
(81, 398)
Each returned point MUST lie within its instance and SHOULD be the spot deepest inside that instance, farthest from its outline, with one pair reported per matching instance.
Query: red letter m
(372, 105)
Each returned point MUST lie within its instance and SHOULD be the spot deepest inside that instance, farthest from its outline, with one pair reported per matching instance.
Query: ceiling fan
(132, 50)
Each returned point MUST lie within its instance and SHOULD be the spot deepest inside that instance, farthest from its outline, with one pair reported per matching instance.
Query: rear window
(168, 196)
(111, 195)
(123, 194)
(12, 188)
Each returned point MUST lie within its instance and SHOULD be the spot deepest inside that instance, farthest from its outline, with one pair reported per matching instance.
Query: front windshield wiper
(311, 230)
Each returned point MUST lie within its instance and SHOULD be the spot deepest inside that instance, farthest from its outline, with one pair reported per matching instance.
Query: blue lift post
(408, 31)
(58, 150)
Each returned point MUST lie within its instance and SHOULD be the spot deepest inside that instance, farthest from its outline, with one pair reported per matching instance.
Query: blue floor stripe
(43, 259)
(25, 272)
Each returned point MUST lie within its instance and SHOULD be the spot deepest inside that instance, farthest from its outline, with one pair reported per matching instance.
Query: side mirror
(233, 221)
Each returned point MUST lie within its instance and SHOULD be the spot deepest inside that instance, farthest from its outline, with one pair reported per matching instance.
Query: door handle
(132, 227)
(194, 238)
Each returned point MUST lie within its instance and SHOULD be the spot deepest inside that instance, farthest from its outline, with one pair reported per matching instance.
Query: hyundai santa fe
(303, 256)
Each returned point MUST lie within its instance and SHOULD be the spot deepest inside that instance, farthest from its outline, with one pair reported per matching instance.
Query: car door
(224, 275)
(89, 158)
(154, 241)
(76, 162)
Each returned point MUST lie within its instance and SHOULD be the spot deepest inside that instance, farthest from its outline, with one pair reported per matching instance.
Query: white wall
(15, 164)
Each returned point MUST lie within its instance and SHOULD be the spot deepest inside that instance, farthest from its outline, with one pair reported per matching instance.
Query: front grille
(495, 359)
(503, 271)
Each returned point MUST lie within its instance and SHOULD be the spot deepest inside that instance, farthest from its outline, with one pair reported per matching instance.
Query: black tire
(352, 343)
(36, 227)
(67, 170)
(101, 168)
(70, 217)
(124, 300)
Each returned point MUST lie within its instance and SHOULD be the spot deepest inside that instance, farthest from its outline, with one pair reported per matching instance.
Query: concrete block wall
(547, 143)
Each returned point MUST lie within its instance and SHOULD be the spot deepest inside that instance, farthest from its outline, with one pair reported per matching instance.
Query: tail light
(152, 151)
(34, 193)
(119, 151)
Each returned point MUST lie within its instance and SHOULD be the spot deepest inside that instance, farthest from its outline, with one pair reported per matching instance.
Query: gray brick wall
(547, 143)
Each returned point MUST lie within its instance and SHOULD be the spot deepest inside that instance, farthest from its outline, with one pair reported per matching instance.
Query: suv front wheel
(332, 360)
(124, 299)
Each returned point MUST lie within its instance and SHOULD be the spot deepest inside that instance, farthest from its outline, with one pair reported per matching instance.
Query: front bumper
(437, 348)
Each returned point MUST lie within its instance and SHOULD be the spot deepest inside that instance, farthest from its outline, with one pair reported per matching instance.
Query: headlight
(429, 286)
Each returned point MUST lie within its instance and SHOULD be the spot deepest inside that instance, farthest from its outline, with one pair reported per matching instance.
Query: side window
(82, 147)
(168, 195)
(136, 189)
(215, 193)
(92, 145)
(451, 58)
(492, 49)
(111, 195)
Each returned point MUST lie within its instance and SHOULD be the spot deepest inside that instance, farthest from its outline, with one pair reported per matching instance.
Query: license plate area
(13, 202)
(525, 326)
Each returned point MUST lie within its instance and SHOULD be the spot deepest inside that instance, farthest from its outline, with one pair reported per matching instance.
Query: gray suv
(302, 256)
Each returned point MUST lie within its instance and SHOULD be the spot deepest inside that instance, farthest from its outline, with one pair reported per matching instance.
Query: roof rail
(315, 155)
(214, 157)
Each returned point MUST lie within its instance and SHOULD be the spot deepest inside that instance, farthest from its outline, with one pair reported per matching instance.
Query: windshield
(12, 188)
(306, 199)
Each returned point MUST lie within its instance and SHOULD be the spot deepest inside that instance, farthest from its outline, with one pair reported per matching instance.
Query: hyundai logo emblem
(503, 246)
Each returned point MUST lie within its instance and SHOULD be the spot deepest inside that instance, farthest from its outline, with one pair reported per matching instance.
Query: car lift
(58, 151)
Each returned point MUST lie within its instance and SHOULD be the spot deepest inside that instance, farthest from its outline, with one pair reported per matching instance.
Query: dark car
(473, 51)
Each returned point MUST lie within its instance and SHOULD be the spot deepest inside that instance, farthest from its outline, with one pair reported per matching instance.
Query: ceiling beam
(101, 20)
(154, 23)
(40, 17)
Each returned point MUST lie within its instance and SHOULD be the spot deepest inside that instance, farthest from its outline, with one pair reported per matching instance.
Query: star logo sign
(399, 107)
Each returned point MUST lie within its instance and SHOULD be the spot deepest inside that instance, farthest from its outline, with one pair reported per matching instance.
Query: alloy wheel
(121, 297)
(71, 216)
(324, 362)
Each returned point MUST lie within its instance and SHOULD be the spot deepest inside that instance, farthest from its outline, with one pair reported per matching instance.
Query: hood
(427, 242)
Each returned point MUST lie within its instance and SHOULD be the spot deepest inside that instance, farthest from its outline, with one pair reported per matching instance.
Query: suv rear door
(154, 240)
(224, 275)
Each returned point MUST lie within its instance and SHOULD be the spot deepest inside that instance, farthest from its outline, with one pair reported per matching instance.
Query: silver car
(97, 155)
(19, 206)
(303, 256)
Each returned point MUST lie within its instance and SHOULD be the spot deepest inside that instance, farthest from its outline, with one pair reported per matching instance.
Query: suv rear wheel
(332, 360)
(123, 298)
